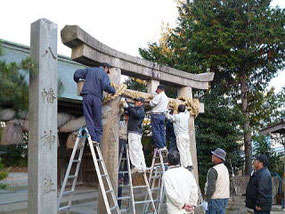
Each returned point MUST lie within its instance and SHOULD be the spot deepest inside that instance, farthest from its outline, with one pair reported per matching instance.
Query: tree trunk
(246, 127)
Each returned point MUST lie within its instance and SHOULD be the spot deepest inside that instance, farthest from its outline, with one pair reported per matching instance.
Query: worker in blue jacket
(96, 81)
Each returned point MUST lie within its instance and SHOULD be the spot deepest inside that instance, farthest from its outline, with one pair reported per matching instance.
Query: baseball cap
(263, 159)
(139, 99)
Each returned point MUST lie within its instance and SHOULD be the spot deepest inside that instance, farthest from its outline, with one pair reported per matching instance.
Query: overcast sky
(124, 25)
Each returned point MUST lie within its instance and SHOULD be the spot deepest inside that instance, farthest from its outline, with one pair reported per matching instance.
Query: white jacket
(180, 122)
(159, 103)
(180, 188)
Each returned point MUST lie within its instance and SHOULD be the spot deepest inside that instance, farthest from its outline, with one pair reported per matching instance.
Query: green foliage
(262, 146)
(13, 83)
(13, 87)
(136, 84)
(218, 127)
(241, 41)
(266, 107)
(3, 172)
(15, 155)
(29, 65)
(1, 49)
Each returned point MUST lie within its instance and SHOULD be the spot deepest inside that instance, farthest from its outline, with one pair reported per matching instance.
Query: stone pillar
(42, 159)
(110, 139)
(152, 86)
(187, 92)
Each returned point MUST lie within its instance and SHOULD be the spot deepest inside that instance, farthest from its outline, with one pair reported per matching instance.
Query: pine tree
(241, 41)
(218, 127)
(13, 87)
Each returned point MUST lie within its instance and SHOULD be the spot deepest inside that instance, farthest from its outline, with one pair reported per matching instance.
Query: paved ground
(14, 200)
(16, 179)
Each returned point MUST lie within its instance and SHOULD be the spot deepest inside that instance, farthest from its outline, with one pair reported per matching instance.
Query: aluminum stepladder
(125, 159)
(158, 167)
(100, 169)
(124, 181)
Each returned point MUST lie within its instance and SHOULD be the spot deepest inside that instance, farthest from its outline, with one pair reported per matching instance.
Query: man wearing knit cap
(217, 188)
(259, 188)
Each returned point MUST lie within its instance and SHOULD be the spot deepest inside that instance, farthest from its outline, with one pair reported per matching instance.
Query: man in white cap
(217, 188)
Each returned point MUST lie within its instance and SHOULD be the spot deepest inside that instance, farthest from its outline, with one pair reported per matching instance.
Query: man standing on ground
(217, 188)
(96, 81)
(181, 130)
(135, 131)
(259, 188)
(159, 108)
(180, 186)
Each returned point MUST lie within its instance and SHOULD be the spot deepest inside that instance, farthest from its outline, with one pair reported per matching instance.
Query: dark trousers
(158, 130)
(92, 110)
(261, 212)
(217, 206)
(173, 145)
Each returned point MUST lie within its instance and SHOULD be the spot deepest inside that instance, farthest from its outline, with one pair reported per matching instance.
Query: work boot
(190, 168)
(95, 142)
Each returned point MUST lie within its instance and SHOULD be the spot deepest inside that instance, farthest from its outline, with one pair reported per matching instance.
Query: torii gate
(89, 51)
(42, 163)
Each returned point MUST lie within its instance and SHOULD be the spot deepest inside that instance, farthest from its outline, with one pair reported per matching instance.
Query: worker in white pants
(183, 146)
(136, 151)
(181, 130)
(136, 116)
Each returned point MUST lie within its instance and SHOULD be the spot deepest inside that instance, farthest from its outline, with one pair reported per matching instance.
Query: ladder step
(99, 160)
(124, 210)
(123, 198)
(155, 189)
(67, 193)
(114, 207)
(139, 187)
(72, 176)
(63, 208)
(110, 190)
(124, 185)
(143, 202)
(157, 176)
(76, 161)
(123, 172)
(104, 175)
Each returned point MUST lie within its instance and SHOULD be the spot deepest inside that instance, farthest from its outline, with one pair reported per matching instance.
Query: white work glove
(204, 205)
(124, 102)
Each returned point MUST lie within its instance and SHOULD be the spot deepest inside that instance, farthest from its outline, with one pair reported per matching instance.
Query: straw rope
(192, 105)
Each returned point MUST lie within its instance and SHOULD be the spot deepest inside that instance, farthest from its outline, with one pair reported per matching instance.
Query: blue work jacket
(96, 81)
